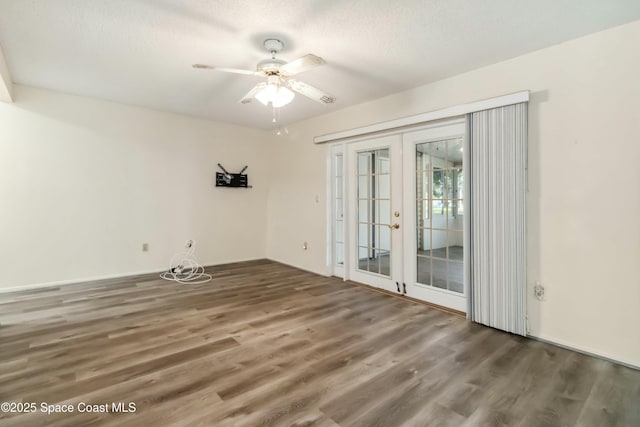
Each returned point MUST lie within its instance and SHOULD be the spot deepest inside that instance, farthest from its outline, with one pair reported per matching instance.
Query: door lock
(394, 226)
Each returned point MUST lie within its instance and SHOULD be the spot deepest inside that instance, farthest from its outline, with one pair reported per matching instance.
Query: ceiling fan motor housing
(271, 65)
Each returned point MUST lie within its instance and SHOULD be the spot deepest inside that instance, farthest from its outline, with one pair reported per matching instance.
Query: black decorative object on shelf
(226, 179)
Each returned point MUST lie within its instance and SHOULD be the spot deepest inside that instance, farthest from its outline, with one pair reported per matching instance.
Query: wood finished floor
(265, 344)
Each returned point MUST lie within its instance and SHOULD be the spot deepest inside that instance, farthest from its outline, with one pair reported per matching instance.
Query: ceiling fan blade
(311, 92)
(227, 70)
(252, 93)
(301, 64)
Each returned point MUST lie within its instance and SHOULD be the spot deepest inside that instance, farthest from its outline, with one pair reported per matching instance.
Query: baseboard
(298, 267)
(105, 277)
(572, 347)
(75, 281)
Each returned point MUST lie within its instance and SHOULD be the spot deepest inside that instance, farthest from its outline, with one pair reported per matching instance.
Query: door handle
(394, 226)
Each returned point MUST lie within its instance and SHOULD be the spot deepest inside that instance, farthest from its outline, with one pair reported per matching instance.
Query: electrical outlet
(538, 291)
(145, 247)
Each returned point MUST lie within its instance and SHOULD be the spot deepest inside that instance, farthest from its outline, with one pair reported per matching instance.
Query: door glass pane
(374, 211)
(424, 270)
(437, 187)
(426, 184)
(363, 210)
(383, 186)
(459, 193)
(364, 163)
(456, 276)
(439, 214)
(448, 184)
(423, 161)
(438, 219)
(422, 214)
(439, 273)
(385, 263)
(363, 234)
(382, 161)
(374, 262)
(454, 245)
(458, 207)
(384, 237)
(437, 150)
(363, 258)
(439, 244)
(363, 187)
(423, 236)
(384, 211)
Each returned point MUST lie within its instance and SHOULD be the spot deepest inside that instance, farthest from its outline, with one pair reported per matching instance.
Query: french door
(434, 232)
(403, 223)
(375, 201)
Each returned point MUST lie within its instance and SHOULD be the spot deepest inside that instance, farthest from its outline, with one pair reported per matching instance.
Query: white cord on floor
(184, 268)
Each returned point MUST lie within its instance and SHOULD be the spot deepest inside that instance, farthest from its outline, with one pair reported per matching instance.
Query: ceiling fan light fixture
(275, 94)
(283, 97)
(266, 95)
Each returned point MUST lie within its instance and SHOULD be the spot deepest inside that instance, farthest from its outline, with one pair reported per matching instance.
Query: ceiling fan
(277, 89)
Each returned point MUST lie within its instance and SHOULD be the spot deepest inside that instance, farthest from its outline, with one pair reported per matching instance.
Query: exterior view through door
(401, 228)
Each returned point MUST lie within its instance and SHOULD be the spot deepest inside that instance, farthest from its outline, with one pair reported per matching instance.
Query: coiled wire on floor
(184, 268)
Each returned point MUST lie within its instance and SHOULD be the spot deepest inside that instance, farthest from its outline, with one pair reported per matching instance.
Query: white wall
(84, 182)
(583, 201)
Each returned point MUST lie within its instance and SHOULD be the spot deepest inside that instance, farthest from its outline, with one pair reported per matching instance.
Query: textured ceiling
(140, 51)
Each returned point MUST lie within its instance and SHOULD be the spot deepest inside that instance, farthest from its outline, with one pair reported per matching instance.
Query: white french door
(375, 201)
(398, 204)
(434, 232)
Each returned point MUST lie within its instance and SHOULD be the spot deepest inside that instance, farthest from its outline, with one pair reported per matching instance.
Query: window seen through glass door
(440, 211)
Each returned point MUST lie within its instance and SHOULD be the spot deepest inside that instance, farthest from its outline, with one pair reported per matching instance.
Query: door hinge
(404, 288)
(398, 286)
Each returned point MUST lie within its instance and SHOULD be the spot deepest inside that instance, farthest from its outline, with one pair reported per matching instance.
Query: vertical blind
(495, 245)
